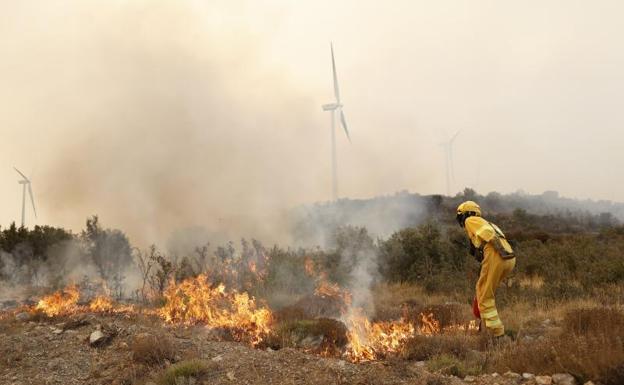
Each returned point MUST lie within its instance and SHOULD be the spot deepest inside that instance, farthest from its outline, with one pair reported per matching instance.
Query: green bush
(185, 370)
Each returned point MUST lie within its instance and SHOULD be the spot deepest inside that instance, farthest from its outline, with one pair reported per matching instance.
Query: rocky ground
(102, 349)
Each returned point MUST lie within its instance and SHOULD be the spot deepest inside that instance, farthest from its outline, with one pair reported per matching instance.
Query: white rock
(528, 376)
(495, 374)
(96, 337)
(563, 379)
(217, 358)
(543, 380)
(420, 364)
(512, 375)
(57, 331)
(469, 379)
(230, 375)
(589, 383)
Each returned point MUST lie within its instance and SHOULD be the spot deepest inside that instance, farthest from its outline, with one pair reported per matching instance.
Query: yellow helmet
(467, 209)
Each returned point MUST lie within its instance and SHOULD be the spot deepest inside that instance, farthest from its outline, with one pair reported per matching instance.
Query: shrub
(185, 370)
(151, 349)
(332, 332)
(590, 347)
(422, 348)
(592, 321)
(451, 365)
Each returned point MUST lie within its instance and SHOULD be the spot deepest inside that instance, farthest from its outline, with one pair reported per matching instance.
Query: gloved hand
(477, 253)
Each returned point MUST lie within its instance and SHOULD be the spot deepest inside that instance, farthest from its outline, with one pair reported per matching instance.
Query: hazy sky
(159, 114)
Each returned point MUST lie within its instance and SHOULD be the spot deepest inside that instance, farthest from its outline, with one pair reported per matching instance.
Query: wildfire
(309, 266)
(61, 302)
(325, 288)
(101, 304)
(429, 325)
(194, 301)
(198, 301)
(371, 341)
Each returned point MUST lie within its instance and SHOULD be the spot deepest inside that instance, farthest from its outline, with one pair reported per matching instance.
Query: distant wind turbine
(335, 107)
(26, 182)
(448, 153)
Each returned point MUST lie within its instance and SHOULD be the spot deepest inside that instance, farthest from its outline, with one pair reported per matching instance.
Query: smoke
(314, 225)
(160, 116)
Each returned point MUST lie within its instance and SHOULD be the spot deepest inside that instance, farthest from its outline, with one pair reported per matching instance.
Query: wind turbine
(448, 153)
(26, 182)
(334, 107)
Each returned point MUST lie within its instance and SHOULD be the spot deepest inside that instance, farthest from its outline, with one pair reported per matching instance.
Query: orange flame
(101, 304)
(309, 266)
(194, 301)
(61, 302)
(371, 341)
(429, 325)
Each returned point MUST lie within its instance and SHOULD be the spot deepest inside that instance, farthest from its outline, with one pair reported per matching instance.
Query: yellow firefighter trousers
(493, 270)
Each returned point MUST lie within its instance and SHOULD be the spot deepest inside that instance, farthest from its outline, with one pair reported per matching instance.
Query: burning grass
(586, 342)
(582, 340)
(307, 325)
(196, 301)
(61, 302)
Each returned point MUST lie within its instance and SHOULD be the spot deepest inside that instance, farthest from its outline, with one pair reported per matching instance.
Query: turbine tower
(335, 107)
(26, 182)
(448, 154)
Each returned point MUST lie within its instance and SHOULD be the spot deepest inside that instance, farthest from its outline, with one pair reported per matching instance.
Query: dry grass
(152, 349)
(450, 365)
(422, 348)
(391, 299)
(590, 346)
(321, 335)
(181, 372)
(584, 336)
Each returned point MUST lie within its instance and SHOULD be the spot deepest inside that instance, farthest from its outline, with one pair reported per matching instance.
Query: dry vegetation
(290, 316)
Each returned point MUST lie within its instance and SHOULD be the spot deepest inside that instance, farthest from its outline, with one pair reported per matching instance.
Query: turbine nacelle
(331, 106)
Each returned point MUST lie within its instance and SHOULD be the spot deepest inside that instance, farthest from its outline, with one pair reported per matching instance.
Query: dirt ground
(58, 351)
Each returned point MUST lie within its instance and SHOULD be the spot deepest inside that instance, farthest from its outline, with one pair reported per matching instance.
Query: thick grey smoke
(177, 113)
(160, 118)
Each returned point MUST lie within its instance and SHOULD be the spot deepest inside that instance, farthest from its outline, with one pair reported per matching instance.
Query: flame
(325, 288)
(194, 301)
(309, 266)
(372, 341)
(253, 267)
(429, 325)
(101, 304)
(60, 302)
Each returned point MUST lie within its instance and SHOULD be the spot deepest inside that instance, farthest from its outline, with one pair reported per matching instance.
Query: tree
(109, 250)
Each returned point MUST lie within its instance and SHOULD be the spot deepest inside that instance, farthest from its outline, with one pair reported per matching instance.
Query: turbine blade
(344, 125)
(336, 90)
(19, 172)
(452, 164)
(32, 199)
(454, 136)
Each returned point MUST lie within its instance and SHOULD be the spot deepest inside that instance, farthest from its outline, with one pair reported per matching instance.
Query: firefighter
(489, 245)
